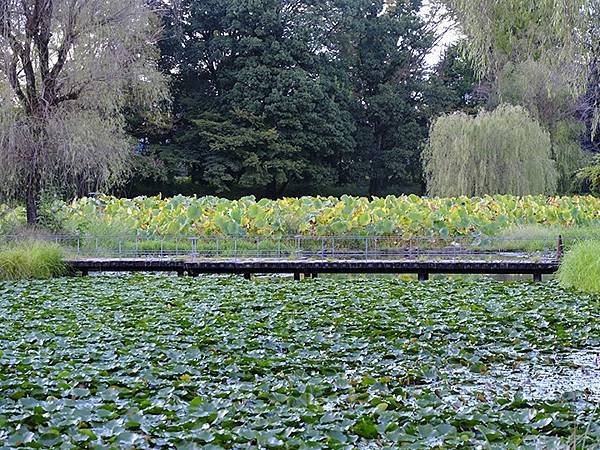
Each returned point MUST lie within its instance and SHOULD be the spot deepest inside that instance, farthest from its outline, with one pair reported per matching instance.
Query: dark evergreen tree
(234, 58)
(453, 86)
(382, 48)
(310, 93)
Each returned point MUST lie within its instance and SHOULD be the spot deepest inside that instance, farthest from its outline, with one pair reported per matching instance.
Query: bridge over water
(314, 267)
(308, 256)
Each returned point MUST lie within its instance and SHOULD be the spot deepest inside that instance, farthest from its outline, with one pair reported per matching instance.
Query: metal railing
(296, 247)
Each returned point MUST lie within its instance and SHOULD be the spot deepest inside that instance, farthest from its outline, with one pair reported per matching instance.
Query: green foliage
(544, 91)
(10, 218)
(590, 176)
(534, 238)
(150, 168)
(500, 152)
(256, 108)
(405, 216)
(567, 153)
(62, 124)
(587, 110)
(242, 150)
(517, 30)
(537, 87)
(580, 268)
(31, 260)
(543, 56)
(276, 94)
(218, 362)
(381, 56)
(451, 88)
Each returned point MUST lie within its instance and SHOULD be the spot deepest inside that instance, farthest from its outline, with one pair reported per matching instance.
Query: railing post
(559, 248)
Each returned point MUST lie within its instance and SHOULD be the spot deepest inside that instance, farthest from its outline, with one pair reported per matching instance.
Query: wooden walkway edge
(312, 267)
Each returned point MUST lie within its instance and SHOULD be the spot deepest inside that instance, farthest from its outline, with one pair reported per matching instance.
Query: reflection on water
(551, 377)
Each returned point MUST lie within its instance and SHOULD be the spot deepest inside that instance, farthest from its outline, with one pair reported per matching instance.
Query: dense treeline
(291, 97)
(276, 97)
(297, 97)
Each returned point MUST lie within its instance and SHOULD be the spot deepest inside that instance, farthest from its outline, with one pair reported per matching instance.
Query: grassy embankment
(31, 260)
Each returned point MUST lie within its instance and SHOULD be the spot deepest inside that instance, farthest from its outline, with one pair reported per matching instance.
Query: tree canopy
(337, 89)
(541, 55)
(282, 97)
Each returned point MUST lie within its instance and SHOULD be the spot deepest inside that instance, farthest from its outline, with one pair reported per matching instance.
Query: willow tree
(519, 29)
(68, 68)
(500, 152)
(563, 35)
(545, 93)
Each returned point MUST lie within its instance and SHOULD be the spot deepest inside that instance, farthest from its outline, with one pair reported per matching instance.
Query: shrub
(31, 259)
(580, 268)
(590, 176)
(11, 218)
(500, 152)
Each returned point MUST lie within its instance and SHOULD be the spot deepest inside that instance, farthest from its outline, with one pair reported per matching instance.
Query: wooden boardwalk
(313, 267)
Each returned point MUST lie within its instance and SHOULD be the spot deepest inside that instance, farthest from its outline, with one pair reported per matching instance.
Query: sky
(450, 36)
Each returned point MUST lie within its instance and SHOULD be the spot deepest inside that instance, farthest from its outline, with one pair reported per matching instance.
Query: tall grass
(580, 268)
(531, 238)
(31, 260)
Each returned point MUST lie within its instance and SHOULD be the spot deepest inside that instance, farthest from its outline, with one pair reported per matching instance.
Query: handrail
(299, 246)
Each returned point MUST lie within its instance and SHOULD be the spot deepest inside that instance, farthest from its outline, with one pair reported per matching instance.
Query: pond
(149, 361)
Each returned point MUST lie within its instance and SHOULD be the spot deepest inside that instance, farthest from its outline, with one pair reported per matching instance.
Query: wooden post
(423, 276)
(247, 275)
(560, 248)
(297, 276)
(537, 277)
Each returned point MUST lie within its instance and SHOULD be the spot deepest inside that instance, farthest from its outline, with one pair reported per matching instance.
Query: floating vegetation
(221, 362)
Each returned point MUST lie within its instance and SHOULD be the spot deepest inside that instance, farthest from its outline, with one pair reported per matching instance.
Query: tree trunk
(376, 166)
(31, 204)
(374, 184)
(274, 191)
